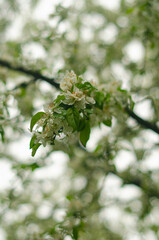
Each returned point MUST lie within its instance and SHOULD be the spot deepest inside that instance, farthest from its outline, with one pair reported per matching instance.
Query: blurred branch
(37, 75)
(138, 180)
(141, 121)
(24, 84)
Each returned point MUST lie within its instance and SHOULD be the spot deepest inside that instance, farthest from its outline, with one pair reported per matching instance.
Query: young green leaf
(35, 148)
(2, 133)
(58, 115)
(88, 111)
(85, 86)
(85, 133)
(32, 141)
(73, 118)
(35, 119)
(99, 98)
(79, 79)
(75, 232)
(131, 103)
(108, 122)
(81, 125)
(59, 99)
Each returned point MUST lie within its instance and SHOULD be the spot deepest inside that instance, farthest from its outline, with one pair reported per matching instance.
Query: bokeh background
(109, 190)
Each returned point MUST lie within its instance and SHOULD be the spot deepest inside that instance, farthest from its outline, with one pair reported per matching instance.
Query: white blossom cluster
(79, 106)
(72, 94)
(56, 126)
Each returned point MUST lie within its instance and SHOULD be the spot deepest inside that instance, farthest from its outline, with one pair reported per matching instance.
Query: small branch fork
(38, 76)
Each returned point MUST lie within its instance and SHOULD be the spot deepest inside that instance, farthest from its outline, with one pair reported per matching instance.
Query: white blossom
(110, 87)
(69, 80)
(48, 107)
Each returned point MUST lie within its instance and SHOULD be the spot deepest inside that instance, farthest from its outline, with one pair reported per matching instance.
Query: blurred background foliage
(110, 190)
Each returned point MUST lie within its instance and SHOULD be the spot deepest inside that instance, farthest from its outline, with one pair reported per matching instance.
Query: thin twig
(37, 75)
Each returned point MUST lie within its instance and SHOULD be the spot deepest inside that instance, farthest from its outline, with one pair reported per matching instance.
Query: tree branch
(51, 81)
(141, 121)
(137, 180)
(24, 84)
(37, 75)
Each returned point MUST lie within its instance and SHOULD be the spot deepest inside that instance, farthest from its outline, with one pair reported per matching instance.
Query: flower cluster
(74, 95)
(78, 107)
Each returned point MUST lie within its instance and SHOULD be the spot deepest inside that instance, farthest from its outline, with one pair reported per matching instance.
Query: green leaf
(69, 197)
(60, 110)
(131, 103)
(35, 148)
(34, 166)
(2, 133)
(122, 90)
(75, 232)
(107, 97)
(81, 124)
(99, 98)
(85, 86)
(88, 111)
(79, 79)
(58, 115)
(35, 119)
(59, 99)
(98, 148)
(73, 118)
(129, 10)
(108, 122)
(32, 141)
(85, 133)
(72, 88)
(31, 166)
